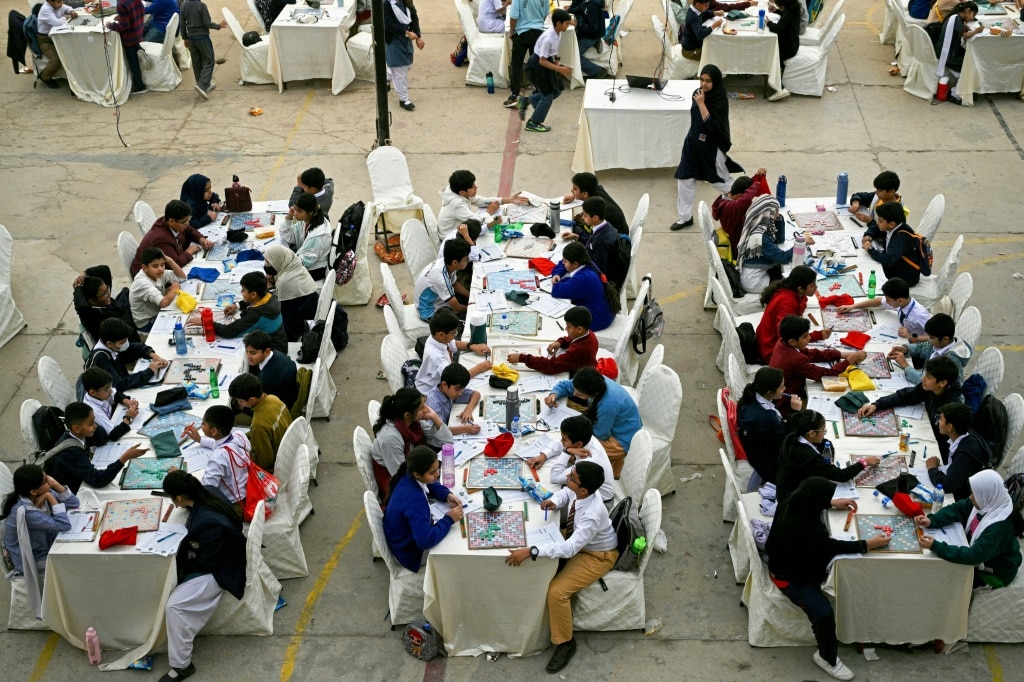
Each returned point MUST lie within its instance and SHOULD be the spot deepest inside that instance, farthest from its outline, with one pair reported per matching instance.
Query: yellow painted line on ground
(288, 668)
(982, 240)
(993, 663)
(993, 259)
(287, 145)
(44, 657)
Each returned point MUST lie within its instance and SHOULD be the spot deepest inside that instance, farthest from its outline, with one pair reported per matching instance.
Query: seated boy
(103, 398)
(968, 452)
(600, 239)
(436, 286)
(174, 235)
(942, 342)
(468, 232)
(276, 371)
(459, 203)
(590, 548)
(313, 181)
(730, 210)
(578, 445)
(913, 317)
(441, 350)
(692, 32)
(228, 466)
(796, 361)
(261, 311)
(864, 204)
(938, 386)
(900, 255)
(588, 16)
(584, 186)
(452, 389)
(153, 288)
(270, 418)
(578, 348)
(70, 462)
(95, 302)
(116, 355)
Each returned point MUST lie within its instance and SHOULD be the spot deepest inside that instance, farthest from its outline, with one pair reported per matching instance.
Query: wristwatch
(534, 552)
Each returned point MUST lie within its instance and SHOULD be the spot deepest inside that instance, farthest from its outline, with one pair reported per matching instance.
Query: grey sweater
(196, 19)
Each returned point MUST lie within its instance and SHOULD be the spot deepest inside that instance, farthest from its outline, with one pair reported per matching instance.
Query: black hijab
(717, 102)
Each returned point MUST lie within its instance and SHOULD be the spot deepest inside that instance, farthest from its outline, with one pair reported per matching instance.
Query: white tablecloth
(306, 51)
(84, 59)
(746, 52)
(640, 129)
(993, 64)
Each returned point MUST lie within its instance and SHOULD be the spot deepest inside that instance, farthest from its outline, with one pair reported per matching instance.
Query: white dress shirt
(228, 474)
(560, 467)
(592, 527)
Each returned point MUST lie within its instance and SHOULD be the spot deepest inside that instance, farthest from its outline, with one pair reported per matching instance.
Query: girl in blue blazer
(579, 280)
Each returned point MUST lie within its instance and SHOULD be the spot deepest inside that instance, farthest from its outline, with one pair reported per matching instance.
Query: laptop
(646, 82)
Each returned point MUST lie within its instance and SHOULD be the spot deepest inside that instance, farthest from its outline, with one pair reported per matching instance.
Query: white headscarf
(292, 279)
(993, 502)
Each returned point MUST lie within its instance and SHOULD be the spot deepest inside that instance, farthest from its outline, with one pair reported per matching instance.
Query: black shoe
(953, 99)
(676, 226)
(563, 654)
(408, 106)
(176, 674)
(50, 83)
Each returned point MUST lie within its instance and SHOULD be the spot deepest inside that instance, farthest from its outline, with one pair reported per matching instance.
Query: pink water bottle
(92, 645)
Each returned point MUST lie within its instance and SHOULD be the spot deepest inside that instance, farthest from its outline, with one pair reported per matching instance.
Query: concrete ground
(71, 185)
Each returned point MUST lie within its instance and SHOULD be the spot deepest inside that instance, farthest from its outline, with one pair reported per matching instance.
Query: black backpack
(309, 349)
(627, 527)
(48, 424)
(748, 344)
(350, 223)
(992, 423)
(732, 274)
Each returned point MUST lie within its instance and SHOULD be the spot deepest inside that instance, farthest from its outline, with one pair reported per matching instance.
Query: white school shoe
(838, 671)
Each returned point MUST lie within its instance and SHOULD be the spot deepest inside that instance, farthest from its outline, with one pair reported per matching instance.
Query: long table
(94, 62)
(745, 52)
(993, 63)
(300, 51)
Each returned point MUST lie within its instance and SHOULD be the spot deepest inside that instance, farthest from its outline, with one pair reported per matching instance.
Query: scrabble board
(881, 423)
(521, 323)
(248, 221)
(147, 473)
(888, 469)
(904, 532)
(843, 284)
(175, 421)
(826, 221)
(214, 290)
(499, 354)
(853, 321)
(499, 472)
(226, 250)
(144, 513)
(528, 247)
(494, 409)
(196, 370)
(496, 530)
(528, 214)
(511, 280)
(876, 366)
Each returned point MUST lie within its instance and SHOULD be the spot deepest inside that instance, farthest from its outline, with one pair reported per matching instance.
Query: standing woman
(210, 561)
(294, 287)
(401, 30)
(197, 192)
(706, 144)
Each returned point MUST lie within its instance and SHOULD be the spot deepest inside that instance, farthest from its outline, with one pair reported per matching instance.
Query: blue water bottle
(760, 20)
(490, 83)
(780, 191)
(842, 188)
(180, 344)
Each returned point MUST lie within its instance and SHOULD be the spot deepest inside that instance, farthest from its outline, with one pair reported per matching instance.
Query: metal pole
(380, 73)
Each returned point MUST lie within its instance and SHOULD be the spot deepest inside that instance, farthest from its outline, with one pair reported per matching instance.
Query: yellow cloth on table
(858, 378)
(186, 302)
(503, 371)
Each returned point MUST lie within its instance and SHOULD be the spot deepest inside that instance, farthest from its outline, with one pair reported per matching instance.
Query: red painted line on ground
(508, 156)
(434, 670)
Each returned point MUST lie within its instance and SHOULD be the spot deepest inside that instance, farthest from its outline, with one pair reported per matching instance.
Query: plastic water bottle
(842, 188)
(515, 426)
(939, 499)
(448, 465)
(885, 500)
(180, 342)
(511, 406)
(638, 546)
(92, 646)
(760, 20)
(799, 250)
(490, 83)
(214, 387)
(872, 283)
(828, 452)
(780, 191)
(503, 326)
(209, 331)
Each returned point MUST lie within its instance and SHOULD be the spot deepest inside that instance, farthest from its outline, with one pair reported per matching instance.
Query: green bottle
(871, 284)
(214, 388)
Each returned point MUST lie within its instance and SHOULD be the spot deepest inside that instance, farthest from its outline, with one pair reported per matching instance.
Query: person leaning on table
(51, 16)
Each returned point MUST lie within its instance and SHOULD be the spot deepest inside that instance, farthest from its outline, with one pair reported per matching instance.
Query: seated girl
(803, 454)
(992, 526)
(760, 258)
(405, 421)
(788, 29)
(492, 16)
(579, 280)
(308, 233)
(613, 412)
(45, 502)
(951, 44)
(799, 550)
(197, 192)
(783, 297)
(94, 301)
(408, 528)
(760, 425)
(294, 288)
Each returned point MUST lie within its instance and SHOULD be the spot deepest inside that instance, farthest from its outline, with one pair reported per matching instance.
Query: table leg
(766, 86)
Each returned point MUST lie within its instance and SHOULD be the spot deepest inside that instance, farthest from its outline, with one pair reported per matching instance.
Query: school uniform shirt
(799, 459)
(50, 18)
(788, 29)
(457, 209)
(161, 12)
(923, 351)
(72, 467)
(270, 420)
(389, 447)
(440, 403)
(797, 365)
(436, 356)
(474, 250)
(44, 523)
(104, 411)
(562, 463)
(325, 197)
(869, 202)
(173, 243)
(408, 527)
(91, 316)
(602, 244)
(118, 363)
(761, 431)
(693, 31)
(783, 302)
(214, 545)
(227, 468)
(145, 295)
(583, 286)
(277, 373)
(547, 45)
(575, 353)
(996, 546)
(968, 455)
(435, 286)
(312, 248)
(897, 245)
(263, 316)
(913, 316)
(617, 414)
(915, 395)
(592, 529)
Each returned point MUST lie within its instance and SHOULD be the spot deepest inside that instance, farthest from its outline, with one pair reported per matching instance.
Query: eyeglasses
(543, 425)
(817, 431)
(573, 477)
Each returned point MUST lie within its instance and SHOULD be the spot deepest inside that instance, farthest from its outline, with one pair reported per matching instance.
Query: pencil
(462, 525)
(849, 518)
(835, 429)
(526, 511)
(536, 476)
(814, 321)
(167, 514)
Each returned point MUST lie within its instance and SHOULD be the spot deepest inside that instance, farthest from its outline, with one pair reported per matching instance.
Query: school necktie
(570, 523)
(973, 526)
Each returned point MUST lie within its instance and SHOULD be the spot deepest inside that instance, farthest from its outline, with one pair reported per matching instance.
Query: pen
(812, 319)
(545, 514)
(167, 514)
(526, 511)
(167, 537)
(536, 476)
(849, 518)
(872, 314)
(560, 325)
(835, 429)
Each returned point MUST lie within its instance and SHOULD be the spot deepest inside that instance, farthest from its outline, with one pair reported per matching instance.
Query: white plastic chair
(28, 431)
(677, 66)
(324, 300)
(361, 445)
(989, 364)
(643, 207)
(623, 606)
(484, 49)
(610, 56)
(737, 550)
(282, 543)
(11, 319)
(730, 342)
(632, 480)
(391, 322)
(373, 411)
(919, 63)
(1014, 404)
(21, 616)
(145, 216)
(159, 70)
(660, 396)
(634, 256)
(1016, 465)
(6, 481)
(932, 288)
(127, 245)
(55, 384)
(656, 358)
(932, 217)
(253, 62)
(805, 71)
(616, 337)
(673, 25)
(322, 392)
(736, 377)
(406, 314)
(968, 327)
(253, 614)
(393, 354)
(295, 437)
(994, 615)
(360, 51)
(813, 35)
(417, 248)
(328, 354)
(405, 588)
(960, 293)
(748, 303)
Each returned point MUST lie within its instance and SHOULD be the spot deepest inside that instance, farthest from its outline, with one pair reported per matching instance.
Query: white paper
(488, 429)
(511, 496)
(884, 333)
(545, 535)
(158, 376)
(547, 305)
(165, 323)
(910, 411)
(846, 490)
(82, 523)
(192, 286)
(554, 416)
(491, 301)
(105, 455)
(539, 382)
(163, 541)
(467, 450)
(479, 381)
(229, 345)
(438, 509)
(496, 266)
(277, 206)
(248, 266)
(826, 406)
(532, 448)
(196, 458)
(490, 253)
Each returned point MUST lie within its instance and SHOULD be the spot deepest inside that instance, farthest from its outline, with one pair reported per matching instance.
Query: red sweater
(731, 213)
(163, 238)
(784, 302)
(797, 368)
(581, 352)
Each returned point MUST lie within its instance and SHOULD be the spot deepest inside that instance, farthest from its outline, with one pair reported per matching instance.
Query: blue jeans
(816, 605)
(541, 103)
(153, 34)
(589, 67)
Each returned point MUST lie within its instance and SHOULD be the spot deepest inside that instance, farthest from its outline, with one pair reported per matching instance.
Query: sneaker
(50, 83)
(537, 127)
(523, 104)
(512, 102)
(176, 674)
(140, 91)
(781, 94)
(202, 92)
(676, 226)
(563, 654)
(838, 671)
(408, 106)
(213, 86)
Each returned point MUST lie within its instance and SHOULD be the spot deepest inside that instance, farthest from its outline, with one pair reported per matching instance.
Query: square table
(993, 63)
(307, 51)
(85, 52)
(746, 52)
